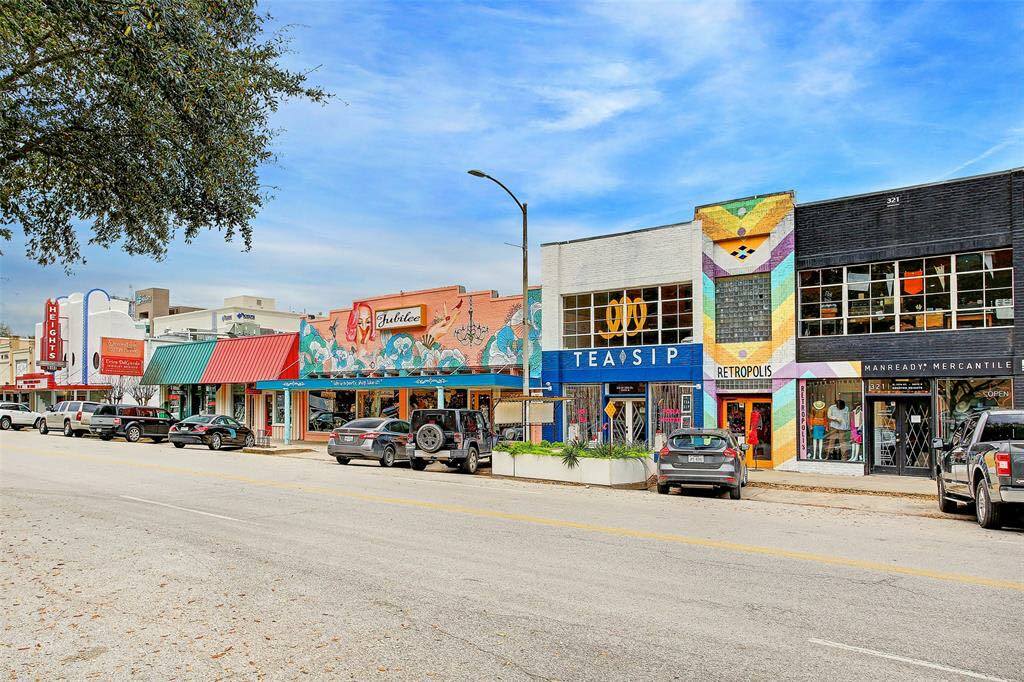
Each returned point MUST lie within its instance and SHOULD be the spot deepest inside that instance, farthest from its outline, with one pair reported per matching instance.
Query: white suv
(71, 417)
(16, 415)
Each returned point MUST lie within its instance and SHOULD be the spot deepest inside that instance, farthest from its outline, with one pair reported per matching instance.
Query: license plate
(350, 438)
(695, 458)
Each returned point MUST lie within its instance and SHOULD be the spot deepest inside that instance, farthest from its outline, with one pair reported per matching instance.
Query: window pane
(884, 288)
(911, 323)
(999, 278)
(881, 325)
(862, 307)
(856, 273)
(830, 310)
(810, 329)
(881, 306)
(669, 292)
(911, 268)
(998, 297)
(831, 294)
(668, 308)
(686, 290)
(1001, 317)
(603, 297)
(858, 325)
(970, 299)
(968, 261)
(808, 277)
(1002, 259)
(939, 320)
(912, 304)
(882, 271)
(831, 327)
(810, 295)
(583, 300)
(970, 281)
(832, 276)
(809, 311)
(970, 320)
(937, 266)
(934, 285)
(670, 336)
(937, 302)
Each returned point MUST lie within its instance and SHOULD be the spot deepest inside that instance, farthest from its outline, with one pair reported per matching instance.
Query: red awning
(249, 359)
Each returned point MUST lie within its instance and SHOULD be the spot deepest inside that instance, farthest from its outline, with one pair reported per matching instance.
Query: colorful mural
(456, 332)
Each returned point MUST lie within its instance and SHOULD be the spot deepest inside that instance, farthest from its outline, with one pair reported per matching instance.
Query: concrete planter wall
(607, 472)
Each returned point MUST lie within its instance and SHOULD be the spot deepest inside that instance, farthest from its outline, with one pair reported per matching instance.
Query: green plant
(572, 452)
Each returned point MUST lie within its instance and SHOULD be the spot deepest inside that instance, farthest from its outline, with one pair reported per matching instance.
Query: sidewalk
(886, 486)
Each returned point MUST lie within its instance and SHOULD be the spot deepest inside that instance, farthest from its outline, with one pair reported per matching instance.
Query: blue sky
(603, 117)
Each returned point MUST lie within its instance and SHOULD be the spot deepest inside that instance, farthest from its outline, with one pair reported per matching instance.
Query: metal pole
(526, 332)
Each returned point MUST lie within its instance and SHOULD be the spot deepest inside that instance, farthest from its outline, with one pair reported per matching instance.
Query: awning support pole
(440, 398)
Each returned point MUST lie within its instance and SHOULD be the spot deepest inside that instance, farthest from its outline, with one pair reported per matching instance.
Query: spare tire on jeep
(430, 438)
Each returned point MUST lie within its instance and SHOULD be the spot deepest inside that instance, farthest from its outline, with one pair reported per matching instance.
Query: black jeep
(459, 438)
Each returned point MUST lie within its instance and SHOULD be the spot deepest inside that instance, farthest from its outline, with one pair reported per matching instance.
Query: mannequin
(838, 427)
(753, 439)
(817, 422)
(856, 434)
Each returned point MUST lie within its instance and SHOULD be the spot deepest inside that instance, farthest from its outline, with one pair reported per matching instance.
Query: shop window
(376, 404)
(422, 399)
(671, 409)
(238, 402)
(640, 316)
(582, 412)
(959, 399)
(966, 291)
(279, 407)
(832, 420)
(743, 306)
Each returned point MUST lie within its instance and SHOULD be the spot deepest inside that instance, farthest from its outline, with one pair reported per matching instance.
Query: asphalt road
(143, 560)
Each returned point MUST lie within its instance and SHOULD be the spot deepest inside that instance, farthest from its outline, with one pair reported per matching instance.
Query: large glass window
(330, 409)
(671, 409)
(960, 398)
(583, 412)
(833, 420)
(628, 317)
(377, 404)
(962, 291)
(743, 308)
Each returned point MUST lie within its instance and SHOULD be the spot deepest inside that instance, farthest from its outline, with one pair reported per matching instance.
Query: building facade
(239, 316)
(17, 358)
(622, 338)
(391, 354)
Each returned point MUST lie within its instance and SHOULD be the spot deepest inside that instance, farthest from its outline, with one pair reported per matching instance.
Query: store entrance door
(268, 414)
(901, 431)
(628, 420)
(750, 418)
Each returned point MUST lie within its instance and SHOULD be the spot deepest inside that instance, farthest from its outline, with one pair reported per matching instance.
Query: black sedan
(212, 430)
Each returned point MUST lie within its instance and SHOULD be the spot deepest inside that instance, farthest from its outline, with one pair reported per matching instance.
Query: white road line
(185, 509)
(911, 661)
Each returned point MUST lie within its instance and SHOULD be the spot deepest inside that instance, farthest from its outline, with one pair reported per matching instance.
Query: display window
(238, 402)
(960, 398)
(671, 409)
(330, 409)
(582, 412)
(377, 404)
(628, 317)
(422, 399)
(833, 420)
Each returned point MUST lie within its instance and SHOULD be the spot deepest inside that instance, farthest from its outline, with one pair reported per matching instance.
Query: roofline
(936, 183)
(618, 234)
(790, 192)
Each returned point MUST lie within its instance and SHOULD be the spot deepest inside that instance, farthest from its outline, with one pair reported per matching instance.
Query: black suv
(131, 422)
(983, 465)
(459, 438)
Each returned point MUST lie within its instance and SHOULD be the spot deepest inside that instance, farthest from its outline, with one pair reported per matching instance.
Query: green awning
(181, 363)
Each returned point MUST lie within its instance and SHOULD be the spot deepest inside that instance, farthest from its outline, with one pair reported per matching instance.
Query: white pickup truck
(16, 415)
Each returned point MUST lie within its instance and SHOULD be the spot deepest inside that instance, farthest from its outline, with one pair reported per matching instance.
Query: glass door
(629, 420)
(901, 436)
(750, 419)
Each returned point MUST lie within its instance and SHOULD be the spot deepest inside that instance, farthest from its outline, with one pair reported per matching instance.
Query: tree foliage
(138, 118)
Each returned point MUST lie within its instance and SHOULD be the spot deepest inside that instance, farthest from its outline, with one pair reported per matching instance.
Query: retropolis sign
(51, 350)
(400, 318)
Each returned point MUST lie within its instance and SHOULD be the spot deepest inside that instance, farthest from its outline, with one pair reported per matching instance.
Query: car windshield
(443, 418)
(694, 441)
(90, 407)
(1002, 427)
(199, 419)
(363, 424)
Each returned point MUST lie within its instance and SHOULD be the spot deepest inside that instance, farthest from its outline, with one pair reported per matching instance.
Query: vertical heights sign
(51, 350)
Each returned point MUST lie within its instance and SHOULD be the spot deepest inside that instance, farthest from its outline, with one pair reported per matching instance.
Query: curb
(839, 491)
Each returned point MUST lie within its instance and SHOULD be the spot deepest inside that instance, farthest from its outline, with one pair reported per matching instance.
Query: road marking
(553, 523)
(911, 661)
(185, 509)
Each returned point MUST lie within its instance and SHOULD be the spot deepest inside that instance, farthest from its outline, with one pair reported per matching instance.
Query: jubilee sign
(400, 318)
(51, 350)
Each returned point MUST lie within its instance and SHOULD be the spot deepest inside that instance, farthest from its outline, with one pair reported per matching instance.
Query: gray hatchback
(704, 457)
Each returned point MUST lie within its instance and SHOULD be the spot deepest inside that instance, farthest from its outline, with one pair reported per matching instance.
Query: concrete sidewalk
(886, 486)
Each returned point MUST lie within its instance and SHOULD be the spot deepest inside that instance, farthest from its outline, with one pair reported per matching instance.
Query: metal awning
(182, 363)
(249, 359)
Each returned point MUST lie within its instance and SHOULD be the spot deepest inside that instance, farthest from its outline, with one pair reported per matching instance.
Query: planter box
(606, 472)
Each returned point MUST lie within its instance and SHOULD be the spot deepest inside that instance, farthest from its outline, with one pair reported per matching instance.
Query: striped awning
(249, 359)
(181, 363)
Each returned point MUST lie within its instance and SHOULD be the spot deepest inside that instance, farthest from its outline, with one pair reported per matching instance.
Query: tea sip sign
(51, 350)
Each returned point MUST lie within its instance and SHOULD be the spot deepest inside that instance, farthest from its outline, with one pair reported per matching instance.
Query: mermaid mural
(364, 348)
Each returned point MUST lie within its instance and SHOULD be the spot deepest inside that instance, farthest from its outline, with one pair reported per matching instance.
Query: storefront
(219, 377)
(624, 395)
(40, 391)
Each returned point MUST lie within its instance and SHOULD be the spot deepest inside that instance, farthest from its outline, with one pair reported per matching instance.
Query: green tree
(5, 330)
(136, 118)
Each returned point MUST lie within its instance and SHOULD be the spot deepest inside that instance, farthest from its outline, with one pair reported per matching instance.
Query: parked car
(378, 438)
(16, 415)
(131, 422)
(459, 438)
(703, 457)
(982, 465)
(212, 430)
(70, 417)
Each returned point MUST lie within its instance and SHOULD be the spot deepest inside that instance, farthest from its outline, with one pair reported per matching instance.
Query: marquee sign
(121, 357)
(51, 349)
(400, 318)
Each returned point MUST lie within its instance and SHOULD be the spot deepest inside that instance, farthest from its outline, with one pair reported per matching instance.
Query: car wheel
(179, 445)
(5, 423)
(43, 428)
(106, 436)
(735, 492)
(387, 458)
(472, 461)
(417, 464)
(430, 438)
(215, 442)
(341, 460)
(663, 488)
(946, 505)
(250, 440)
(133, 434)
(68, 431)
(79, 434)
(987, 511)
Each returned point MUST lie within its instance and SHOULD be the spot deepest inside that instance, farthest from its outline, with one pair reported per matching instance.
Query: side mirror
(937, 444)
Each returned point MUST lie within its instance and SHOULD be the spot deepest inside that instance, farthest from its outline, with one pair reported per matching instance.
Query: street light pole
(526, 301)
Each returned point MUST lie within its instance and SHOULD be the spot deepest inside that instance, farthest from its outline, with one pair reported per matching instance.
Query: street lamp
(526, 302)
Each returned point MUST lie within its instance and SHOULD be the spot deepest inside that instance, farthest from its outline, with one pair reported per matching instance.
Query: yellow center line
(551, 522)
